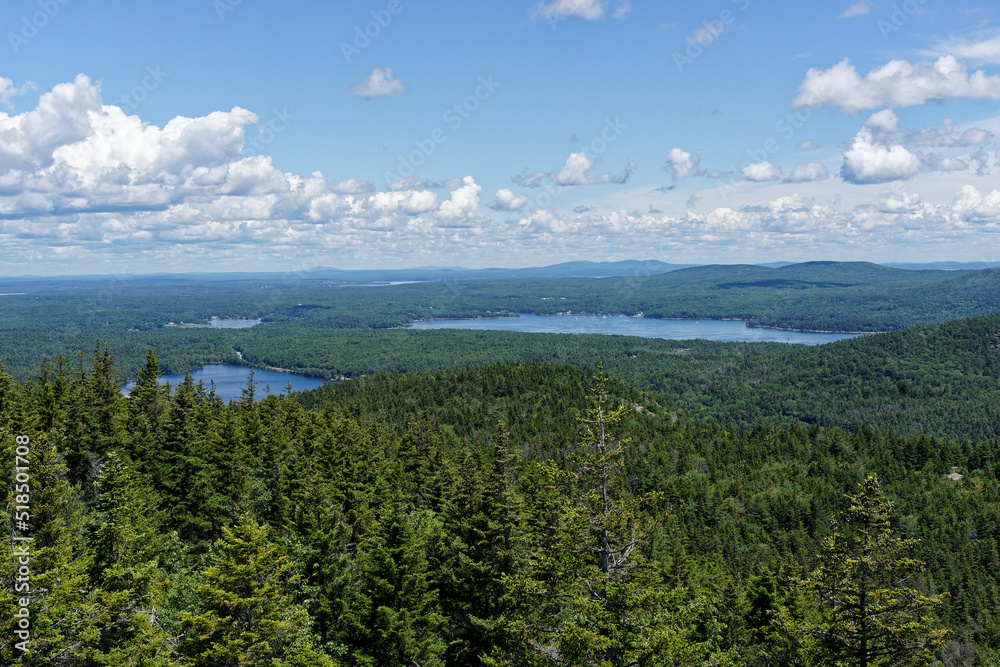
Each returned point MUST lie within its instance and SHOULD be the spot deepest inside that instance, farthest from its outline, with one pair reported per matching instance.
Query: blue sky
(257, 135)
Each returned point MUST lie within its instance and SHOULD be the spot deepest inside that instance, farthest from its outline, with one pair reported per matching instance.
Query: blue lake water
(234, 324)
(719, 330)
(230, 381)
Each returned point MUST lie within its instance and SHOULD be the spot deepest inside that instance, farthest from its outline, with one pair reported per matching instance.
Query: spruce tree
(871, 615)
(247, 614)
(592, 598)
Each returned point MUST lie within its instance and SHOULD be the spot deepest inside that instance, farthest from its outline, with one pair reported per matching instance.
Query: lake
(234, 324)
(645, 327)
(230, 380)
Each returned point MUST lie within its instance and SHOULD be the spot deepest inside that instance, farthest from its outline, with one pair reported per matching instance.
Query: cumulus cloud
(761, 171)
(577, 168)
(897, 203)
(411, 202)
(681, 162)
(78, 173)
(884, 121)
(380, 83)
(464, 201)
(810, 171)
(84, 185)
(898, 83)
(806, 145)
(586, 9)
(973, 206)
(576, 171)
(506, 200)
(866, 161)
(857, 9)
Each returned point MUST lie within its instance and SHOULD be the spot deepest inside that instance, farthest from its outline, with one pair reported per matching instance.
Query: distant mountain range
(943, 266)
(427, 273)
(579, 269)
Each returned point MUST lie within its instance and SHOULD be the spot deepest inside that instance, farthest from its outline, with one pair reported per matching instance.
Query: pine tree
(128, 553)
(871, 614)
(592, 598)
(394, 619)
(66, 609)
(147, 403)
(247, 615)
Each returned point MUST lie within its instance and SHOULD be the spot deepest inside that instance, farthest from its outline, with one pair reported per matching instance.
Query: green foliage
(591, 598)
(870, 616)
(247, 615)
(390, 520)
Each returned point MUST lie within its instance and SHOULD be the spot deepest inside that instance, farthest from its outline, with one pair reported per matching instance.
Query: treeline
(852, 296)
(451, 518)
(939, 380)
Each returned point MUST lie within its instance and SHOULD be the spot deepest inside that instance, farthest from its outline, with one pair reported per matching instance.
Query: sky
(256, 135)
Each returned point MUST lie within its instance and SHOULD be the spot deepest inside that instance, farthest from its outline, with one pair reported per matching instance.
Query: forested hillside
(451, 518)
(48, 319)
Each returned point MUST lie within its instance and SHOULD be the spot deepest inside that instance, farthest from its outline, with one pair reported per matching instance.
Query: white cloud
(8, 91)
(983, 50)
(901, 202)
(810, 171)
(681, 162)
(380, 83)
(84, 187)
(464, 201)
(76, 173)
(972, 206)
(869, 162)
(807, 145)
(576, 172)
(761, 171)
(352, 186)
(886, 129)
(413, 183)
(411, 202)
(586, 9)
(898, 83)
(945, 163)
(885, 121)
(857, 9)
(506, 200)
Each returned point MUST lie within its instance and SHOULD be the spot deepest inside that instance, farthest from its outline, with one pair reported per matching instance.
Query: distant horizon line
(959, 265)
